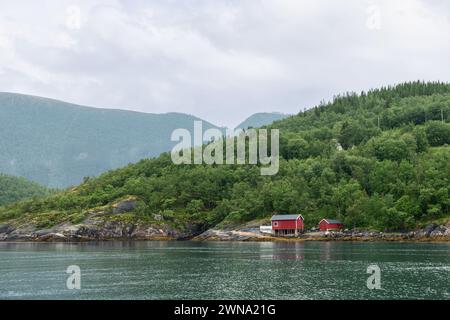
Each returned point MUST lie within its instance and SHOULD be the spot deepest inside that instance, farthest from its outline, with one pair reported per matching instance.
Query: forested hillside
(13, 189)
(57, 144)
(376, 160)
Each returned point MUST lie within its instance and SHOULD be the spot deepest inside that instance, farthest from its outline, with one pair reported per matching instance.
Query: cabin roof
(332, 221)
(287, 217)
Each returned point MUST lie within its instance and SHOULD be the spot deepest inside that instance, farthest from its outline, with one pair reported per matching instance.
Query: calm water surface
(225, 270)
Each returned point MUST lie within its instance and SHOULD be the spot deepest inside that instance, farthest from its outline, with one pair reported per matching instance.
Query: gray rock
(20, 235)
(438, 232)
(43, 232)
(425, 232)
(125, 206)
(429, 229)
(6, 228)
(90, 232)
(52, 237)
(142, 232)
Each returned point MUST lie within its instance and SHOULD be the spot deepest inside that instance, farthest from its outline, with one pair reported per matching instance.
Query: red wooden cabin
(287, 224)
(330, 225)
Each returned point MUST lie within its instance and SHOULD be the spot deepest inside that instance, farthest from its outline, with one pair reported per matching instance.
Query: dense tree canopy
(13, 189)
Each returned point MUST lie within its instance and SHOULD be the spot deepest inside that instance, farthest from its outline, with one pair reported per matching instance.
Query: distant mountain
(261, 119)
(57, 144)
(13, 189)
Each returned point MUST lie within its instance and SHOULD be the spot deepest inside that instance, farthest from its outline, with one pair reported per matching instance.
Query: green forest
(378, 160)
(13, 189)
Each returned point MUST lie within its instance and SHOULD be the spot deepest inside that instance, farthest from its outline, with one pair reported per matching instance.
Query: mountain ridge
(89, 107)
(57, 143)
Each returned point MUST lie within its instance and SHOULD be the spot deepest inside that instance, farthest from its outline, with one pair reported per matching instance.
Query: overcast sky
(219, 60)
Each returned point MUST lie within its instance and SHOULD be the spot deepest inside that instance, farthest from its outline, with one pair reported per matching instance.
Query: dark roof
(332, 221)
(286, 217)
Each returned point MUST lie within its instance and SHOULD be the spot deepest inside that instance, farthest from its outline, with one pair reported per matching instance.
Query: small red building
(287, 224)
(330, 225)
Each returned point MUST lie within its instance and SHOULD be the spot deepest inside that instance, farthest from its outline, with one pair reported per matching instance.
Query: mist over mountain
(56, 143)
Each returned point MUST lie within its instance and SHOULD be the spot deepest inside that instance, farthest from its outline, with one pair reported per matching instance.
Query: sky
(220, 60)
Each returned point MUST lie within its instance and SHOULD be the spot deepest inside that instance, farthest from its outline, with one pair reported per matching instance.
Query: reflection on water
(224, 270)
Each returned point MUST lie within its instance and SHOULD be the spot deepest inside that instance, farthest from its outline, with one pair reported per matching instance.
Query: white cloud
(221, 60)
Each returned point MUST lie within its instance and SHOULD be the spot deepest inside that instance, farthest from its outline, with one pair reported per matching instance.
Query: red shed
(286, 224)
(330, 224)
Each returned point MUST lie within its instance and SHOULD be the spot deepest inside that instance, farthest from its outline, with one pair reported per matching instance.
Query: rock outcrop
(91, 232)
(432, 232)
(124, 206)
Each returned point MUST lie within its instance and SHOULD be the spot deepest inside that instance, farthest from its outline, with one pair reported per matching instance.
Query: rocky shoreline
(119, 231)
(90, 232)
(429, 234)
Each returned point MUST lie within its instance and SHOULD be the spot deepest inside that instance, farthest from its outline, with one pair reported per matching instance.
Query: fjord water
(225, 270)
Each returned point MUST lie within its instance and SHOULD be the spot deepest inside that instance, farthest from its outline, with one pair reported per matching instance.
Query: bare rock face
(52, 237)
(229, 235)
(125, 206)
(438, 231)
(5, 228)
(4, 231)
(100, 230)
(24, 233)
(433, 231)
(426, 232)
(112, 230)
